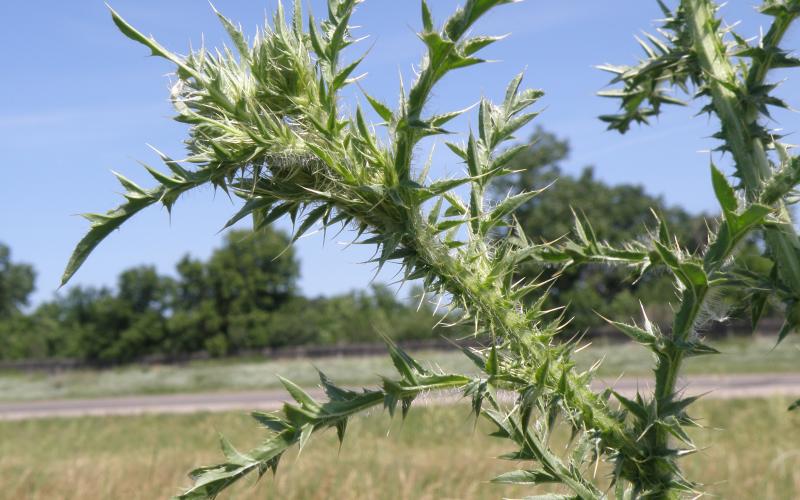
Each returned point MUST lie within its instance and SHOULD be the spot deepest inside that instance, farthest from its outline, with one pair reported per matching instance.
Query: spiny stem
(748, 151)
(760, 68)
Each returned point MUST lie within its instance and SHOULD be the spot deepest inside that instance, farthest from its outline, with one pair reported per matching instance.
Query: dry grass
(147, 457)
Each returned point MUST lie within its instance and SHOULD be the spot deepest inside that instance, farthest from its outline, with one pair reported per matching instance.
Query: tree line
(245, 295)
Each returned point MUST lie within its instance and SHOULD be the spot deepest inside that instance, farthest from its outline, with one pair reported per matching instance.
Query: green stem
(748, 151)
(570, 476)
(760, 68)
(754, 167)
(499, 314)
(667, 370)
(511, 321)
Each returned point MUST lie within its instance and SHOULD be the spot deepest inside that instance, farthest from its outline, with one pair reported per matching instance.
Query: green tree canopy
(254, 271)
(223, 305)
(243, 297)
(16, 283)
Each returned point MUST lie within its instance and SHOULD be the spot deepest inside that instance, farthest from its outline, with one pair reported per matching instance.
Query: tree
(359, 316)
(218, 306)
(126, 325)
(243, 297)
(16, 283)
(617, 213)
(253, 271)
(222, 305)
(17, 335)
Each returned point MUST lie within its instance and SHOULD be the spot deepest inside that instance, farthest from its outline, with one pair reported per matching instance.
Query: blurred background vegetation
(245, 296)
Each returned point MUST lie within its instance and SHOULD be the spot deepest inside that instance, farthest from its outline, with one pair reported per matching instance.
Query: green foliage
(219, 306)
(266, 126)
(16, 284)
(352, 317)
(22, 335)
(243, 298)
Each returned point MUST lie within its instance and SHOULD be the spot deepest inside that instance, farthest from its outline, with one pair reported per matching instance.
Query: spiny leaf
(310, 219)
(724, 191)
(675, 407)
(251, 205)
(101, 228)
(155, 48)
(380, 108)
(751, 217)
(427, 18)
(298, 394)
(525, 477)
(441, 187)
(635, 333)
(270, 421)
(509, 205)
(404, 363)
(343, 75)
(232, 454)
(638, 410)
(792, 321)
(235, 33)
(492, 363)
(695, 274)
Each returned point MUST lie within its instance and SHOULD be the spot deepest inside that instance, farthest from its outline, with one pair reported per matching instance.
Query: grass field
(739, 356)
(434, 454)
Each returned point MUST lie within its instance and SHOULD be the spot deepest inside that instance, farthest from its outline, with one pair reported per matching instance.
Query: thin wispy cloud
(72, 116)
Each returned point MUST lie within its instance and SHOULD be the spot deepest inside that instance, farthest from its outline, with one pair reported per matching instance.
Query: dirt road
(723, 386)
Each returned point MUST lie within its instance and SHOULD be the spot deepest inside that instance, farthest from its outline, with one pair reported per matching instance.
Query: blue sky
(81, 100)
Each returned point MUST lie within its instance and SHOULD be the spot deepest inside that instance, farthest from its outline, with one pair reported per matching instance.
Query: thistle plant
(266, 126)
